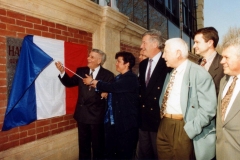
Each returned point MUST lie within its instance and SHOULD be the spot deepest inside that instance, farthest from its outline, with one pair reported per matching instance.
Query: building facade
(110, 29)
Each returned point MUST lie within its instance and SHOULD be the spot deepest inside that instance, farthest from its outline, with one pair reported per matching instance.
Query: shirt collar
(156, 57)
(182, 66)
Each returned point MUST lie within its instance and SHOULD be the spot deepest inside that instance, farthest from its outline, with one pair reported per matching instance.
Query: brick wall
(135, 51)
(13, 24)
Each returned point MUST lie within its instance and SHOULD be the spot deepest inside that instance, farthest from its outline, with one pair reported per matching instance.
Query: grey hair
(155, 35)
(178, 44)
(235, 42)
(101, 53)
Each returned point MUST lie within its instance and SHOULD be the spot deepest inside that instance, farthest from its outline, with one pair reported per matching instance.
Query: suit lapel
(215, 65)
(185, 89)
(156, 72)
(100, 75)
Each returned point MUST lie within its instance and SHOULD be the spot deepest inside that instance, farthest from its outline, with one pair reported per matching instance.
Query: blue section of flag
(21, 108)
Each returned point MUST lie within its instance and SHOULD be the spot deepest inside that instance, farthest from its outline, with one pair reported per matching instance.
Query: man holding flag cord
(90, 107)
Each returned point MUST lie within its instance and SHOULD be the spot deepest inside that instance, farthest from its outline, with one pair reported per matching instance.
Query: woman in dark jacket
(121, 120)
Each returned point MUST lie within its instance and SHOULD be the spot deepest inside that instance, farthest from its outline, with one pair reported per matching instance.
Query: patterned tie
(149, 72)
(165, 98)
(203, 62)
(91, 75)
(226, 99)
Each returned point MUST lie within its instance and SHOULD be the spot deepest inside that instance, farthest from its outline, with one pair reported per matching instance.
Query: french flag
(36, 92)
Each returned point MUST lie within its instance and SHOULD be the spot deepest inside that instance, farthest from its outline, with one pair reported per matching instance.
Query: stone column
(107, 36)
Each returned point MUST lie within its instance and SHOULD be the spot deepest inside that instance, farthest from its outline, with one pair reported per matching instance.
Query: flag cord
(72, 71)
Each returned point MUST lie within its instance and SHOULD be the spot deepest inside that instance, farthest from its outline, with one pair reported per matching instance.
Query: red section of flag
(75, 56)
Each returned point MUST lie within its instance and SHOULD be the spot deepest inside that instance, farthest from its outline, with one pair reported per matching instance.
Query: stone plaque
(13, 52)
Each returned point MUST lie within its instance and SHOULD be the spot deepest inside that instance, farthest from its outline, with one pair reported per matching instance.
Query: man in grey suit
(228, 111)
(205, 43)
(187, 108)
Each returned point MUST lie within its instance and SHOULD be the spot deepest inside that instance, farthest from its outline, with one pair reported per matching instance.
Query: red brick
(11, 131)
(56, 131)
(27, 127)
(68, 117)
(49, 35)
(3, 60)
(40, 27)
(16, 15)
(78, 36)
(52, 30)
(31, 132)
(39, 130)
(64, 38)
(3, 96)
(2, 46)
(15, 28)
(27, 139)
(13, 137)
(23, 134)
(43, 122)
(42, 135)
(62, 27)
(53, 126)
(8, 145)
(62, 124)
(33, 19)
(3, 40)
(24, 24)
(3, 139)
(57, 119)
(2, 67)
(49, 24)
(73, 30)
(3, 89)
(3, 105)
(7, 33)
(69, 127)
(7, 20)
(88, 38)
(68, 34)
(3, 26)
(84, 33)
(3, 12)
(73, 40)
(72, 121)
(33, 32)
(21, 35)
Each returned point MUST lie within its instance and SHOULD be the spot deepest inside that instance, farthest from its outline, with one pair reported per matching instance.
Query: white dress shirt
(173, 102)
(234, 94)
(154, 63)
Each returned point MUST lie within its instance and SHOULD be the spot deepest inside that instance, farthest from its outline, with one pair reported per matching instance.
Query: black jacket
(90, 108)
(125, 100)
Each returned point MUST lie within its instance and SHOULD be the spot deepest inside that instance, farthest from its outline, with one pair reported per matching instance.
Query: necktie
(226, 99)
(165, 98)
(91, 75)
(149, 71)
(203, 62)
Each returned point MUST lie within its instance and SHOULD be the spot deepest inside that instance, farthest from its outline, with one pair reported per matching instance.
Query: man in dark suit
(90, 107)
(152, 73)
(205, 43)
(228, 110)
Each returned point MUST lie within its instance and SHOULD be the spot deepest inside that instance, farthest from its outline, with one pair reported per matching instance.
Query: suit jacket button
(155, 98)
(158, 87)
(193, 107)
(151, 109)
(143, 106)
(139, 95)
